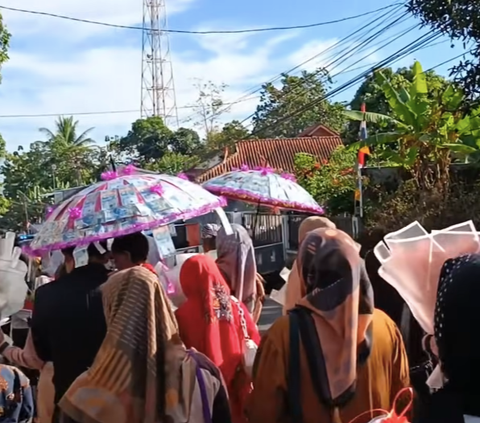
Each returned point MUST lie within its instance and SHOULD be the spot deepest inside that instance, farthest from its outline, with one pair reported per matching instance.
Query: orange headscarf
(208, 321)
(294, 290)
(335, 315)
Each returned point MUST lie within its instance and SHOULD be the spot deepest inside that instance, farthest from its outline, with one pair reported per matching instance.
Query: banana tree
(427, 133)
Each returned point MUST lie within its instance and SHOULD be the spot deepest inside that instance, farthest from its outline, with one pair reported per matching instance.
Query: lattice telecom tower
(158, 88)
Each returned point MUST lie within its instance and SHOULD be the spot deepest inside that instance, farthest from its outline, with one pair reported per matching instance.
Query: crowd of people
(111, 348)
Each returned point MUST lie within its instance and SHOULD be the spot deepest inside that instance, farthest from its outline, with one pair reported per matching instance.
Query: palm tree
(66, 134)
(67, 147)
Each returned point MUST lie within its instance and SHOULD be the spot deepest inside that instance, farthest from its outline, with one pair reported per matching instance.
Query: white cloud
(67, 75)
(126, 12)
(106, 77)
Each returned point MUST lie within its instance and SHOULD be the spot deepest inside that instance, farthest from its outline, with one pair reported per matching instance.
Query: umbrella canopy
(264, 187)
(119, 206)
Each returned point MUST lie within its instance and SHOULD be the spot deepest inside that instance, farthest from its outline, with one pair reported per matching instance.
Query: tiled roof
(277, 153)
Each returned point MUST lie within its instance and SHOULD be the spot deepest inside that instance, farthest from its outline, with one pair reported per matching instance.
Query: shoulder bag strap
(294, 386)
(207, 415)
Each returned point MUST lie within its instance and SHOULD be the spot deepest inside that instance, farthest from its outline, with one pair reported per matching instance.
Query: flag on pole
(363, 135)
(363, 153)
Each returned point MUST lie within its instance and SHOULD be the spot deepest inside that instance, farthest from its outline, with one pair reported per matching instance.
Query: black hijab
(457, 324)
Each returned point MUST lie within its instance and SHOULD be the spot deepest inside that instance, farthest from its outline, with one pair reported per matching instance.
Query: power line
(181, 31)
(404, 51)
(104, 112)
(110, 112)
(344, 40)
(449, 60)
(348, 54)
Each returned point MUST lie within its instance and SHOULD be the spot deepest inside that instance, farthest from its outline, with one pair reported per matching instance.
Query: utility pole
(158, 88)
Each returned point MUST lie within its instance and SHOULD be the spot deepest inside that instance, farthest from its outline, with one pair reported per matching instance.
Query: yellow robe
(385, 373)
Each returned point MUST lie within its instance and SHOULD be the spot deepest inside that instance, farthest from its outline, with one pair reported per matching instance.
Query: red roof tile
(276, 153)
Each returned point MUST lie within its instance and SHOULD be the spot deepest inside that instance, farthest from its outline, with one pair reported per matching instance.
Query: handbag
(249, 346)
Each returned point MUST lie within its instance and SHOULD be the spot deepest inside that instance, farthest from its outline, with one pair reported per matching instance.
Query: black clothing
(68, 323)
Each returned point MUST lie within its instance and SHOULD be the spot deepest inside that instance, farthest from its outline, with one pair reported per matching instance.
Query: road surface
(271, 311)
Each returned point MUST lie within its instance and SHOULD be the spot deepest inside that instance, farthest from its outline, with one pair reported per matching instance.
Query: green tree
(372, 94)
(69, 150)
(185, 141)
(4, 41)
(231, 133)
(150, 139)
(296, 105)
(459, 20)
(173, 163)
(331, 183)
(427, 133)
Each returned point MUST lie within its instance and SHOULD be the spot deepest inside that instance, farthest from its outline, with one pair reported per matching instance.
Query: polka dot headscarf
(457, 321)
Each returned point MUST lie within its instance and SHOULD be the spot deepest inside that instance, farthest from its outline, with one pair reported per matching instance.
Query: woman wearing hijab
(334, 356)
(211, 322)
(456, 324)
(294, 287)
(236, 261)
(142, 372)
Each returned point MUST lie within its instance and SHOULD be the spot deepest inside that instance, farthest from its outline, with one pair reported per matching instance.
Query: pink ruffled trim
(184, 215)
(252, 197)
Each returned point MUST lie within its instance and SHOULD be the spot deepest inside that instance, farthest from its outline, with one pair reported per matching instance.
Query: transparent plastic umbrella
(121, 205)
(264, 187)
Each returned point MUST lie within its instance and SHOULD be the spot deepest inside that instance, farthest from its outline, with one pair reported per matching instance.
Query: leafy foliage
(173, 163)
(429, 131)
(372, 94)
(150, 139)
(231, 133)
(4, 42)
(290, 109)
(459, 20)
(331, 183)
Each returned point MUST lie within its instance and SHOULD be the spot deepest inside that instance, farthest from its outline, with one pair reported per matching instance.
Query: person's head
(311, 223)
(330, 269)
(61, 271)
(325, 257)
(130, 250)
(94, 256)
(232, 243)
(142, 339)
(199, 275)
(456, 323)
(236, 260)
(209, 236)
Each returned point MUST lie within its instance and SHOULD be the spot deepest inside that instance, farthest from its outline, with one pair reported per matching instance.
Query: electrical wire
(352, 49)
(449, 60)
(345, 40)
(404, 51)
(110, 112)
(181, 31)
(105, 112)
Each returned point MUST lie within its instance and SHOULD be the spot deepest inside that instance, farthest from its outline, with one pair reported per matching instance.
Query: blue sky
(64, 67)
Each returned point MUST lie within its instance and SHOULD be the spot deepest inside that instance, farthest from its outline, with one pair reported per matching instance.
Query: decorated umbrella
(264, 187)
(120, 205)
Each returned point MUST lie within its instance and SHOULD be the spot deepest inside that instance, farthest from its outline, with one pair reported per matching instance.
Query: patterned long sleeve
(24, 357)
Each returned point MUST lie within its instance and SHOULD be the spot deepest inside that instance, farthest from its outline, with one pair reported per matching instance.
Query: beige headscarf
(294, 290)
(340, 308)
(142, 373)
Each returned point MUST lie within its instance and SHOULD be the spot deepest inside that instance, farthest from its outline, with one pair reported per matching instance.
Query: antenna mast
(158, 88)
